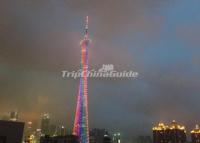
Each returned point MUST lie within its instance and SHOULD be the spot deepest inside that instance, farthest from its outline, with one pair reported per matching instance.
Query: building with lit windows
(61, 131)
(45, 124)
(117, 138)
(159, 133)
(195, 135)
(174, 133)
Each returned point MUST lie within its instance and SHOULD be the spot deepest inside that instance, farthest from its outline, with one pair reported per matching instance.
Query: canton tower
(81, 128)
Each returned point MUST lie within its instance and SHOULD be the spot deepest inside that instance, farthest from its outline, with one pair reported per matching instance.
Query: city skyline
(158, 39)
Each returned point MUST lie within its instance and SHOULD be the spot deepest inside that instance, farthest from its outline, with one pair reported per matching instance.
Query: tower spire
(86, 26)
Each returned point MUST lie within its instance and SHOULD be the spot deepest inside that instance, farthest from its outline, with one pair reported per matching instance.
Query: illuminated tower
(81, 128)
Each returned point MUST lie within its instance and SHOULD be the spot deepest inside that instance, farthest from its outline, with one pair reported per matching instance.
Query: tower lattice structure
(81, 128)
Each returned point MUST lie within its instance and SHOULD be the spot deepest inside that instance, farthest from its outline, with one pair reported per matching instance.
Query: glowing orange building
(174, 133)
(195, 135)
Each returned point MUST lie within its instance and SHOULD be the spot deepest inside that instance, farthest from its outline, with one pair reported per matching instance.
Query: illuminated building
(81, 128)
(97, 135)
(177, 133)
(45, 124)
(30, 139)
(29, 125)
(11, 132)
(159, 133)
(117, 138)
(173, 133)
(60, 131)
(28, 128)
(195, 135)
(63, 131)
(38, 134)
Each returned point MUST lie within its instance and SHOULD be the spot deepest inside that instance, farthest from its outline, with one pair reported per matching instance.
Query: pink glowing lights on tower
(81, 128)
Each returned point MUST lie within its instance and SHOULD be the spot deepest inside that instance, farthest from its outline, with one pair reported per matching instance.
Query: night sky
(159, 39)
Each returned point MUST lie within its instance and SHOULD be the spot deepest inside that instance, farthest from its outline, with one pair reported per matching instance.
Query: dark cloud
(39, 39)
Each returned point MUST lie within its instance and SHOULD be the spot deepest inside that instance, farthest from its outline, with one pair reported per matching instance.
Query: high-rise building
(11, 132)
(174, 133)
(195, 135)
(117, 137)
(60, 131)
(159, 133)
(28, 128)
(52, 129)
(38, 134)
(97, 135)
(81, 128)
(45, 124)
(13, 116)
(107, 138)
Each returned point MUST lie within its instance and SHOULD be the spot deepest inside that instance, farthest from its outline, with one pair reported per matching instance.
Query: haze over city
(156, 38)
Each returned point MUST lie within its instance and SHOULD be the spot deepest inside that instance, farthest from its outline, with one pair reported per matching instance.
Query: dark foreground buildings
(60, 139)
(97, 135)
(107, 139)
(11, 132)
(173, 133)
